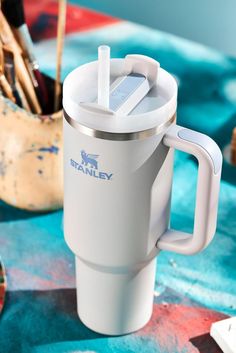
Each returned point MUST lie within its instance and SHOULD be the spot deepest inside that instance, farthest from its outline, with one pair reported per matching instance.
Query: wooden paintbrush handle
(233, 147)
(60, 41)
(21, 71)
(24, 101)
(6, 88)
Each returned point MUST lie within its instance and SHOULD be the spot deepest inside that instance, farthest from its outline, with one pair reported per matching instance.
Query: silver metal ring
(119, 136)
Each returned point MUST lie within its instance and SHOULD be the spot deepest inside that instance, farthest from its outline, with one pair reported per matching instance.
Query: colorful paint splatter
(50, 149)
(190, 292)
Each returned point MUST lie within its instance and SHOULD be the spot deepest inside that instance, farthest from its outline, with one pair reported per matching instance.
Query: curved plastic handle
(209, 172)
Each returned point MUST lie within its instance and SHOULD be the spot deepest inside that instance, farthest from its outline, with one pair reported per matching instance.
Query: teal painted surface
(40, 310)
(210, 22)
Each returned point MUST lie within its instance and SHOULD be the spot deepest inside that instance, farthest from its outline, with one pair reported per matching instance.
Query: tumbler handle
(209, 172)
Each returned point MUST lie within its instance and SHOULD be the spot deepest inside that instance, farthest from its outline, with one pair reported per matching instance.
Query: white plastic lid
(80, 86)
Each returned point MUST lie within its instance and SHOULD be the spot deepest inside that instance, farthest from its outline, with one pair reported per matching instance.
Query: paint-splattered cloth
(191, 292)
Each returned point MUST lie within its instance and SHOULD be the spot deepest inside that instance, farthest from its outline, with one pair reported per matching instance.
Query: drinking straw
(103, 75)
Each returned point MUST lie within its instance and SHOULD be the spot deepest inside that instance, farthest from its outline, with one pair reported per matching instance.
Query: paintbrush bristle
(14, 12)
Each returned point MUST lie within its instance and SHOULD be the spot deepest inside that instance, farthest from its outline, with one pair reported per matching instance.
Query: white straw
(103, 75)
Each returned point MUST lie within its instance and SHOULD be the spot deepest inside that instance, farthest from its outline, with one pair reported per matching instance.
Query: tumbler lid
(127, 91)
(80, 93)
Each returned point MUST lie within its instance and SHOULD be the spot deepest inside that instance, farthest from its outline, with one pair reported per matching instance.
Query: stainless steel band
(119, 136)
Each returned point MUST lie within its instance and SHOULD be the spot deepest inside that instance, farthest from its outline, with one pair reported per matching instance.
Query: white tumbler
(117, 196)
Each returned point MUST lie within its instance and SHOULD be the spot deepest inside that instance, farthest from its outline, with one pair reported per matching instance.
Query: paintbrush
(9, 66)
(9, 69)
(10, 73)
(233, 147)
(14, 12)
(6, 88)
(23, 98)
(60, 41)
(8, 39)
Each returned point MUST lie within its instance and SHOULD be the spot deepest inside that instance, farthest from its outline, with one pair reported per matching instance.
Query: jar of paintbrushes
(30, 117)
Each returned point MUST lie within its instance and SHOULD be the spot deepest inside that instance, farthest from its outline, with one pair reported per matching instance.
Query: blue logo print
(89, 159)
(89, 166)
